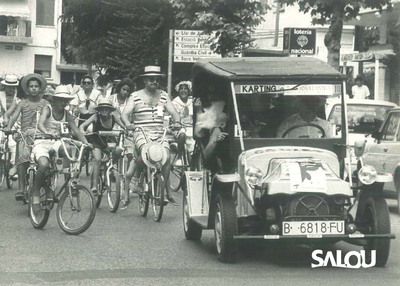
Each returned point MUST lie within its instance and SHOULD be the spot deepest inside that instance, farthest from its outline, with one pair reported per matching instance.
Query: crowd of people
(82, 111)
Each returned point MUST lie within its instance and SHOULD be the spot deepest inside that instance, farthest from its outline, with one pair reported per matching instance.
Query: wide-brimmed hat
(27, 78)
(105, 103)
(152, 71)
(187, 83)
(152, 153)
(62, 91)
(10, 80)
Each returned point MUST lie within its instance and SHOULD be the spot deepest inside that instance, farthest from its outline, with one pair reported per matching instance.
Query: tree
(335, 12)
(232, 20)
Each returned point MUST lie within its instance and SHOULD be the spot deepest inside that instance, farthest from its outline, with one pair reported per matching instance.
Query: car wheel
(225, 228)
(376, 217)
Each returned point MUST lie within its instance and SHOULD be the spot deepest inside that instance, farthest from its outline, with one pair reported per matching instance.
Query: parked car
(363, 117)
(383, 153)
(261, 179)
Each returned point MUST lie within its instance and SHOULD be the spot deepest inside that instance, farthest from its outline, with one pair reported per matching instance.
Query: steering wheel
(302, 125)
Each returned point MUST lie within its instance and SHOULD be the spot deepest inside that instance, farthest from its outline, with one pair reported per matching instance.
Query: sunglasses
(155, 79)
(87, 82)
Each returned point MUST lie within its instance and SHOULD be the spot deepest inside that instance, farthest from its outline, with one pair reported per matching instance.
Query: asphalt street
(127, 249)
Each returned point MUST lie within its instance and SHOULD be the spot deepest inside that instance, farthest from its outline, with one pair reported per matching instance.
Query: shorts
(42, 148)
(139, 140)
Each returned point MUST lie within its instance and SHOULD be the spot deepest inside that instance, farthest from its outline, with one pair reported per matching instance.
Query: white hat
(152, 153)
(188, 83)
(62, 91)
(10, 80)
(152, 71)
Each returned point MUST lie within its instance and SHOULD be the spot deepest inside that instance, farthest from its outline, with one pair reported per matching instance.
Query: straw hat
(10, 80)
(152, 71)
(62, 91)
(187, 83)
(152, 153)
(105, 103)
(27, 78)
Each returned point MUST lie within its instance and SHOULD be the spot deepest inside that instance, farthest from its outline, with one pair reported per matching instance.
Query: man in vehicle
(147, 107)
(308, 107)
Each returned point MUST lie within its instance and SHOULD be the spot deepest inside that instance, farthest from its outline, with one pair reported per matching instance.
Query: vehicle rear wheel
(376, 216)
(177, 171)
(38, 210)
(76, 210)
(144, 199)
(225, 228)
(158, 193)
(100, 192)
(114, 191)
(192, 230)
(7, 167)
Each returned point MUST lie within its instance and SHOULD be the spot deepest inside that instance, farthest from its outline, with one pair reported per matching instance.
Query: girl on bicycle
(103, 120)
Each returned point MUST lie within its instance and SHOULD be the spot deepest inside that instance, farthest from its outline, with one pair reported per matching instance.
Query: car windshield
(362, 118)
(288, 114)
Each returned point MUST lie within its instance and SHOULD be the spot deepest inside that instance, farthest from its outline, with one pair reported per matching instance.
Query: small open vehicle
(267, 180)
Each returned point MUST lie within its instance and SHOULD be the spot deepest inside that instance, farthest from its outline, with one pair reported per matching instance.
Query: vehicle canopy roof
(254, 68)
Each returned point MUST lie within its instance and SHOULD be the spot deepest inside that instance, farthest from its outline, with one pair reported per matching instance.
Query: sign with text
(306, 89)
(191, 46)
(299, 41)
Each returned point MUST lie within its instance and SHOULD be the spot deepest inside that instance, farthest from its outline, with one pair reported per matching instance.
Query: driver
(308, 107)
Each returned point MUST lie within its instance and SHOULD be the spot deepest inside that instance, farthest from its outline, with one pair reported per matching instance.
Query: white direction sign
(190, 46)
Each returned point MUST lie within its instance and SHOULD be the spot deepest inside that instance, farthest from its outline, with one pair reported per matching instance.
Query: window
(45, 12)
(391, 127)
(43, 65)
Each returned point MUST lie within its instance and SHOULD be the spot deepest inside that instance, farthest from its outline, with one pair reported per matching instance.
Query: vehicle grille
(309, 205)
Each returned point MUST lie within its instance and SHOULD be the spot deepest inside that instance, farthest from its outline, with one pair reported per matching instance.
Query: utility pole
(278, 8)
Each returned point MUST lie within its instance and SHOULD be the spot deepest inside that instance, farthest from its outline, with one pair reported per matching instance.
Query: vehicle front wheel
(225, 228)
(376, 216)
(192, 230)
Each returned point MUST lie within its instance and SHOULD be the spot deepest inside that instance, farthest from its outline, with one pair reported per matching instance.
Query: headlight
(253, 176)
(367, 175)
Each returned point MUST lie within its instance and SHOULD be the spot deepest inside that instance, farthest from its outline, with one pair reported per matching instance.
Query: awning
(14, 8)
(377, 52)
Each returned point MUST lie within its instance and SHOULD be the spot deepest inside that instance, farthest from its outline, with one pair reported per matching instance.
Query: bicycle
(76, 204)
(110, 180)
(151, 178)
(5, 159)
(180, 162)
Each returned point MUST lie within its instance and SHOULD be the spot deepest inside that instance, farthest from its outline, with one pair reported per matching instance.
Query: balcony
(15, 31)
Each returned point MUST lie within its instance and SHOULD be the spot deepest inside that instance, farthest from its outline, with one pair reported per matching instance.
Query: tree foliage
(335, 13)
(232, 20)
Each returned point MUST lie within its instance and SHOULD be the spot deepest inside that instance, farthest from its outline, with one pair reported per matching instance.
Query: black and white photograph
(199, 142)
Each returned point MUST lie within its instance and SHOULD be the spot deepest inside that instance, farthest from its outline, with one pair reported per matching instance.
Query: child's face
(124, 91)
(183, 91)
(33, 88)
(104, 112)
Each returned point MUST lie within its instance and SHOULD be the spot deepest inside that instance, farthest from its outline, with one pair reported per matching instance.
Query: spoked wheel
(376, 216)
(225, 228)
(100, 192)
(178, 168)
(192, 230)
(2, 171)
(76, 210)
(38, 210)
(144, 198)
(29, 180)
(158, 193)
(114, 191)
(7, 169)
(88, 164)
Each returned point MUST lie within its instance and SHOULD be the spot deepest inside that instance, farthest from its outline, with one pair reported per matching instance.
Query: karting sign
(191, 46)
(299, 41)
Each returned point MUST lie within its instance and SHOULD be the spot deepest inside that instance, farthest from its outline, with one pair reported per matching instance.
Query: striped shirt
(150, 118)
(30, 111)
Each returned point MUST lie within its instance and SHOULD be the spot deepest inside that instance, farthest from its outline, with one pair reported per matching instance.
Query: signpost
(299, 41)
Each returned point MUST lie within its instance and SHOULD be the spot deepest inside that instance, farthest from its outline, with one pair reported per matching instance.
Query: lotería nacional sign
(299, 41)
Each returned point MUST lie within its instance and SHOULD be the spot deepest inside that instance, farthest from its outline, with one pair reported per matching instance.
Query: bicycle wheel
(158, 190)
(89, 165)
(76, 210)
(114, 191)
(38, 210)
(100, 192)
(144, 198)
(2, 169)
(177, 171)
(7, 165)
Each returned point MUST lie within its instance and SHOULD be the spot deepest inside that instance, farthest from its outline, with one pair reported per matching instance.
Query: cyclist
(103, 120)
(33, 86)
(85, 100)
(55, 121)
(119, 100)
(147, 109)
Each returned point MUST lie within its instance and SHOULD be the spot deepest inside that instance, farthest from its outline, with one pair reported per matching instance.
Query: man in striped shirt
(148, 107)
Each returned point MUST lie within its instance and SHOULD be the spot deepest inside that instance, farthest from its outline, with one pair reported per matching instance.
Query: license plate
(312, 227)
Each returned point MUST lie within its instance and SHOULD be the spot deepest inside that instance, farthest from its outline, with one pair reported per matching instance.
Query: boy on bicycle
(33, 86)
(56, 122)
(103, 120)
